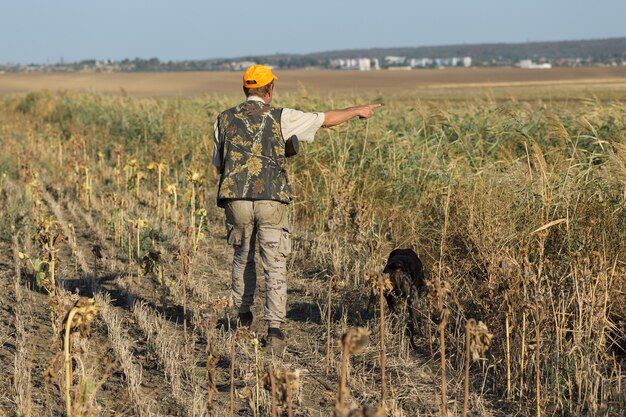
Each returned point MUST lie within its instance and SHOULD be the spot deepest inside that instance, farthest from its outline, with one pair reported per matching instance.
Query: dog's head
(407, 261)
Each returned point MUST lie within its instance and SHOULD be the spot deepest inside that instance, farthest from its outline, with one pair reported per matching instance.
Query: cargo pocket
(234, 236)
(284, 246)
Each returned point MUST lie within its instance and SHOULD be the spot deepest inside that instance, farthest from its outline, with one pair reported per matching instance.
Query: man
(255, 192)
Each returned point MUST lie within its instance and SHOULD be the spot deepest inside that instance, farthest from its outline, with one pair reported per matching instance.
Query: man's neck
(265, 99)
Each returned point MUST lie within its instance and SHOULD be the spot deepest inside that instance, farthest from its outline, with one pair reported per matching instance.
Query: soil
(186, 84)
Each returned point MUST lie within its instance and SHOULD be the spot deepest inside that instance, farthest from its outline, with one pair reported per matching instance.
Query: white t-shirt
(293, 122)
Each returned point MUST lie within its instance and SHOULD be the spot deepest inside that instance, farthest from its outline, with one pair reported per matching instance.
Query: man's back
(252, 154)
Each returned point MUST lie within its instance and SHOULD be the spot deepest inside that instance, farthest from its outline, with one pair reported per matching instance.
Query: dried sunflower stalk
(479, 337)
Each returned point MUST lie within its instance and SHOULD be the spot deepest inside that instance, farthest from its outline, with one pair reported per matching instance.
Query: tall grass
(518, 207)
(537, 197)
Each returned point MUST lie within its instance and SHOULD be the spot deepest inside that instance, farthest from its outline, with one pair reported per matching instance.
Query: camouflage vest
(252, 154)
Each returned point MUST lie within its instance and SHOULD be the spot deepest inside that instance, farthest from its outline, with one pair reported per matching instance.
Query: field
(432, 84)
(510, 185)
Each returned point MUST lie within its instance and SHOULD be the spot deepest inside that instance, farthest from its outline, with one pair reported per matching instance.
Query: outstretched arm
(336, 117)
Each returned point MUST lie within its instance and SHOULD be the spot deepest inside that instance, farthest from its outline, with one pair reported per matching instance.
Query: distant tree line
(581, 52)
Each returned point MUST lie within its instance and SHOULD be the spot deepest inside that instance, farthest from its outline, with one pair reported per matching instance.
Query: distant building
(421, 62)
(361, 64)
(440, 62)
(529, 64)
(241, 65)
(364, 64)
(395, 60)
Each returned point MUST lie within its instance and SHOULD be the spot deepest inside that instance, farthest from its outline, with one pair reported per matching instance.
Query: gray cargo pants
(267, 221)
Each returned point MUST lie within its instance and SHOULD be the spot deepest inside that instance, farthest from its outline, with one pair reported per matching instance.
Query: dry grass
(516, 210)
(122, 345)
(177, 367)
(22, 365)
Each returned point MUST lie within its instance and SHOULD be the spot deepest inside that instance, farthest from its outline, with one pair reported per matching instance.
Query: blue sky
(39, 31)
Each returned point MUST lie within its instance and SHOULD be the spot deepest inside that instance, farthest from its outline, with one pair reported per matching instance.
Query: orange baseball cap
(257, 76)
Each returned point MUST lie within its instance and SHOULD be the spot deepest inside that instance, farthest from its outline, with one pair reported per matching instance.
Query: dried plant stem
(442, 342)
(430, 330)
(68, 361)
(273, 391)
(367, 126)
(467, 366)
(289, 406)
(521, 366)
(87, 187)
(138, 242)
(185, 260)
(256, 374)
(538, 320)
(137, 182)
(329, 307)
(440, 306)
(383, 384)
(159, 209)
(119, 228)
(232, 379)
(209, 401)
(211, 373)
(537, 364)
(130, 249)
(193, 212)
(344, 370)
(508, 357)
(52, 268)
(185, 314)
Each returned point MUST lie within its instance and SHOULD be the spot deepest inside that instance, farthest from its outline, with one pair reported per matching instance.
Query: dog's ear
(392, 255)
(393, 265)
(415, 265)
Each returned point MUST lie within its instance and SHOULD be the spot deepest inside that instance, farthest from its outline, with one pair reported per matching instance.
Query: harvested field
(500, 81)
(516, 208)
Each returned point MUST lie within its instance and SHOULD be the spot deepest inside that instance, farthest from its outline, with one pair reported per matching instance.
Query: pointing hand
(366, 111)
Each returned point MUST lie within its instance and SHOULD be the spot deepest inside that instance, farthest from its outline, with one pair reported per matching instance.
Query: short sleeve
(216, 146)
(302, 124)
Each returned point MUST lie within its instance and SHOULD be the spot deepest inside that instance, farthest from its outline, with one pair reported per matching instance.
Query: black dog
(407, 278)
